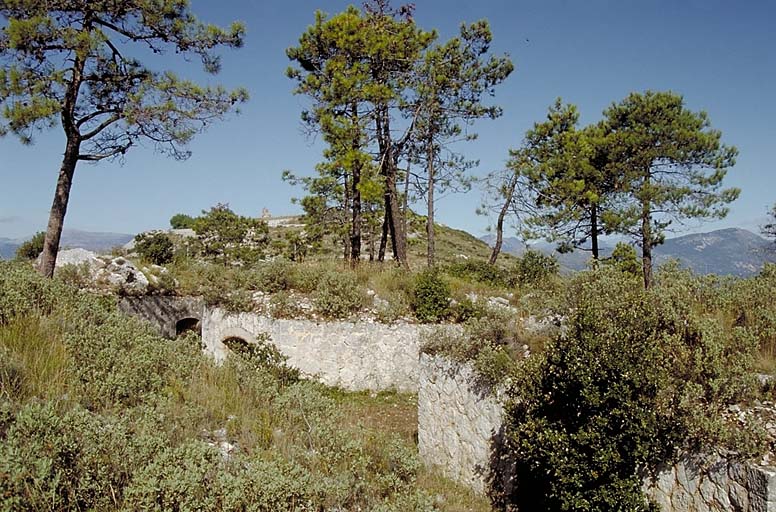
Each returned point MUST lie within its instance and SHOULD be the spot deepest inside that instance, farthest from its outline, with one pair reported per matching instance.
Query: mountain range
(731, 251)
(93, 241)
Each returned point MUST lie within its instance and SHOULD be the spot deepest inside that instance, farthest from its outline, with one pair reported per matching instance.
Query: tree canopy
(673, 164)
(74, 63)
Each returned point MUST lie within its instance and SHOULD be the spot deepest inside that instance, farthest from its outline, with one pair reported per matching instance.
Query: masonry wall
(458, 422)
(354, 356)
(162, 311)
(459, 426)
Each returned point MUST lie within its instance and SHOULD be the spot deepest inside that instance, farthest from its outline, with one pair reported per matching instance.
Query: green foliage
(128, 420)
(263, 356)
(671, 161)
(430, 297)
(571, 187)
(24, 293)
(230, 238)
(490, 342)
(480, 272)
(30, 249)
(154, 247)
(534, 267)
(637, 377)
(182, 221)
(624, 259)
(338, 295)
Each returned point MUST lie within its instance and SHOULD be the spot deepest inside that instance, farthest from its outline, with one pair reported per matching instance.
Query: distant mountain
(8, 248)
(91, 240)
(730, 251)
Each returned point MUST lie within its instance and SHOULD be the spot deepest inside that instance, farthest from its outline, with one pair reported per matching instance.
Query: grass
(356, 450)
(35, 358)
(397, 413)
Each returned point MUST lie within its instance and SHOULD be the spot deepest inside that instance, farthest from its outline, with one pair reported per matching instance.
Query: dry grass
(34, 359)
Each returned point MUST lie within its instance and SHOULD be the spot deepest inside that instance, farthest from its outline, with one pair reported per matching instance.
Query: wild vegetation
(626, 380)
(609, 372)
(97, 412)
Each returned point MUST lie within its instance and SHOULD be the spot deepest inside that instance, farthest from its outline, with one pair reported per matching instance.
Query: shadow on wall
(501, 473)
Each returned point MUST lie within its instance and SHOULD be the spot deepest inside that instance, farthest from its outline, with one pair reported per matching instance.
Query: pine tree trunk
(355, 180)
(388, 168)
(500, 221)
(395, 225)
(430, 214)
(646, 245)
(59, 209)
(383, 238)
(594, 231)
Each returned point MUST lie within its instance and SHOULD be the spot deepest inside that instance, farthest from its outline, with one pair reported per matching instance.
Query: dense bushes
(430, 297)
(32, 248)
(136, 422)
(154, 247)
(638, 376)
(338, 295)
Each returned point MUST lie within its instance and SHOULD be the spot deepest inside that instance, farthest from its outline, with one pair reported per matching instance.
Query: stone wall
(164, 312)
(354, 356)
(712, 483)
(459, 430)
(458, 421)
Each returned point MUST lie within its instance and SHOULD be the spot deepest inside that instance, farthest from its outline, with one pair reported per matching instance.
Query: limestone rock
(106, 272)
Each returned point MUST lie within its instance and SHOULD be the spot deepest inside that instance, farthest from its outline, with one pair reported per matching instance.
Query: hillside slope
(731, 251)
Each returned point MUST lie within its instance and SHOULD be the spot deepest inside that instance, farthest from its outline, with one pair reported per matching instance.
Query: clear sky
(720, 55)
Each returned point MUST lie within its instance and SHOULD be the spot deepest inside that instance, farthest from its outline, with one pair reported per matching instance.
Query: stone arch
(188, 324)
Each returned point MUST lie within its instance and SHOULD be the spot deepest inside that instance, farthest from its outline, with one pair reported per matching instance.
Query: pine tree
(673, 164)
(74, 61)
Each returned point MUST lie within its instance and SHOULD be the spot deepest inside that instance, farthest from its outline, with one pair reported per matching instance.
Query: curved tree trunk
(56, 221)
(58, 210)
(510, 192)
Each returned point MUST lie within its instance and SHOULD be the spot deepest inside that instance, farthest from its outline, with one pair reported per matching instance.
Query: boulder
(104, 271)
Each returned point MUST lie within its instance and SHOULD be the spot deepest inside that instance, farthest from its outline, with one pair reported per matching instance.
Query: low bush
(534, 267)
(338, 295)
(156, 248)
(480, 272)
(430, 297)
(637, 378)
(32, 248)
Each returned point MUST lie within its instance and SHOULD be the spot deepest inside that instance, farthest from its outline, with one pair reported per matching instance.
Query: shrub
(181, 221)
(637, 378)
(273, 276)
(154, 247)
(624, 259)
(264, 356)
(534, 267)
(430, 297)
(338, 295)
(24, 292)
(32, 248)
(479, 272)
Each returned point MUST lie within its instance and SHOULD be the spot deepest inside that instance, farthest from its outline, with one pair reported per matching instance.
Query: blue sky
(720, 55)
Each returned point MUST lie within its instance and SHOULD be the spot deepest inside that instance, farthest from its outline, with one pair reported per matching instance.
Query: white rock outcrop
(104, 271)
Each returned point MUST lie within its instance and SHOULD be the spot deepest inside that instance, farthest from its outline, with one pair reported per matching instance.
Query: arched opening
(237, 344)
(187, 325)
